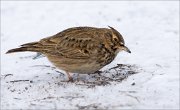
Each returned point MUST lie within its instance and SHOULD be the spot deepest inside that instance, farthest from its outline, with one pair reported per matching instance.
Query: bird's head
(118, 41)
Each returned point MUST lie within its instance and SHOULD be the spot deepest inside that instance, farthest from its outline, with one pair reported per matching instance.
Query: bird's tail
(33, 46)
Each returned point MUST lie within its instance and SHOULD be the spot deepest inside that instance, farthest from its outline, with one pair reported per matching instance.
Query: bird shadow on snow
(100, 78)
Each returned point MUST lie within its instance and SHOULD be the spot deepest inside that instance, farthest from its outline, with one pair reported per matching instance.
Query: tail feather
(26, 47)
(30, 44)
(21, 49)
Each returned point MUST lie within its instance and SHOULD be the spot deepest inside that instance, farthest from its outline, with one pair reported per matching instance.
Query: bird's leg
(70, 79)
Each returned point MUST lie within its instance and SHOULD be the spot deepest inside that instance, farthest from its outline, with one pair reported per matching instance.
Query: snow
(150, 30)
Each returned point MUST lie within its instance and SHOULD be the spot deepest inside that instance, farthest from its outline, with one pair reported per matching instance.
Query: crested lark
(80, 49)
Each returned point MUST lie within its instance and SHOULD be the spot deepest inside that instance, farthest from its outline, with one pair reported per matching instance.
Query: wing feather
(76, 43)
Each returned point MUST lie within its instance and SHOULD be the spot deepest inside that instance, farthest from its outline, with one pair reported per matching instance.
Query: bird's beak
(126, 49)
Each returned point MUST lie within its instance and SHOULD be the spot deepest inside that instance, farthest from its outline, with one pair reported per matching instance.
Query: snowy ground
(150, 29)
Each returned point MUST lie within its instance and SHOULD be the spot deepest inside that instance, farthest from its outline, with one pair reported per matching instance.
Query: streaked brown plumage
(79, 49)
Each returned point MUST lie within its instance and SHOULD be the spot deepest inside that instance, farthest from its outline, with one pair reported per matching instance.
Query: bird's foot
(70, 79)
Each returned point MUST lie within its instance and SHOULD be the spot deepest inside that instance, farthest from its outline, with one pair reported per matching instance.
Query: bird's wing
(77, 44)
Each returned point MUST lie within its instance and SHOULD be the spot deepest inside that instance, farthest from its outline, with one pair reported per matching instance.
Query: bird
(82, 50)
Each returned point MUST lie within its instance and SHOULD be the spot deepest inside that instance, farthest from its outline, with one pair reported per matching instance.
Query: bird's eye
(115, 39)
